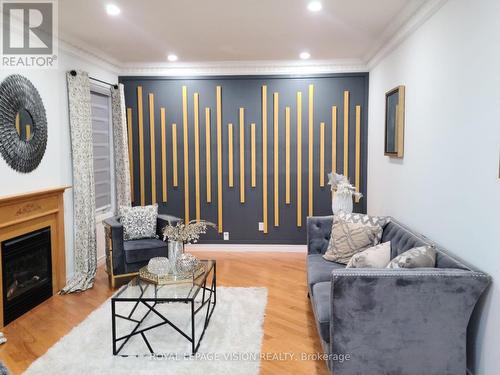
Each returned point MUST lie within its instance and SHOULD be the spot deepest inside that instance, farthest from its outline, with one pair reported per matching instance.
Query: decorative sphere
(159, 266)
(186, 263)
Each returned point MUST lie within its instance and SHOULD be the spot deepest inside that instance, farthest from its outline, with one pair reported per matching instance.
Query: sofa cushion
(348, 239)
(319, 270)
(143, 250)
(322, 306)
(139, 222)
(365, 219)
(377, 256)
(418, 257)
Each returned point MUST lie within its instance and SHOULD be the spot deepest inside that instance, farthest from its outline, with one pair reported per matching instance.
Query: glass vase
(342, 202)
(175, 250)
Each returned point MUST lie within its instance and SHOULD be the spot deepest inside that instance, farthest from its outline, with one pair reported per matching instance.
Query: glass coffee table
(142, 300)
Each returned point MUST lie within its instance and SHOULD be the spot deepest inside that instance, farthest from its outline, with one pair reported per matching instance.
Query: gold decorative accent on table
(334, 139)
(322, 154)
(287, 155)
(186, 152)
(264, 158)
(219, 157)
(175, 173)
(242, 155)
(152, 147)
(170, 278)
(230, 156)
(208, 156)
(299, 159)
(253, 156)
(130, 151)
(140, 120)
(346, 134)
(358, 150)
(276, 158)
(196, 99)
(163, 154)
(28, 132)
(311, 145)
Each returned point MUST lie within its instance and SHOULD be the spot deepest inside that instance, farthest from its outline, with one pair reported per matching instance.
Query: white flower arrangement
(340, 184)
(187, 233)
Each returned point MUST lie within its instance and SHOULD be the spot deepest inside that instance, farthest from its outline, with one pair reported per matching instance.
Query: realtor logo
(29, 34)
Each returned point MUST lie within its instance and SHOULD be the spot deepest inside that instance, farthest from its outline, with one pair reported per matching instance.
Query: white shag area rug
(231, 344)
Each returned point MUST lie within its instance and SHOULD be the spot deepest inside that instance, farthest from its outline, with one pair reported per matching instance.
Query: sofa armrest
(114, 243)
(163, 221)
(319, 229)
(389, 320)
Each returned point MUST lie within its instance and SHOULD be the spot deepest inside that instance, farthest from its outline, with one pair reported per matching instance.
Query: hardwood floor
(288, 326)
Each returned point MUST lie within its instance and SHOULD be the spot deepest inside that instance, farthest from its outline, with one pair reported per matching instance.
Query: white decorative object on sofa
(343, 192)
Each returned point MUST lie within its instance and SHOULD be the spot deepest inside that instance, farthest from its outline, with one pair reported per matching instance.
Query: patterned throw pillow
(365, 219)
(139, 222)
(348, 239)
(377, 256)
(423, 256)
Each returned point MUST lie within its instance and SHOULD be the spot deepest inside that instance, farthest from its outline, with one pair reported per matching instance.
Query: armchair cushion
(143, 250)
(139, 222)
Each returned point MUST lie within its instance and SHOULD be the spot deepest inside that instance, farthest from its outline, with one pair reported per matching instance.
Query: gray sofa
(391, 321)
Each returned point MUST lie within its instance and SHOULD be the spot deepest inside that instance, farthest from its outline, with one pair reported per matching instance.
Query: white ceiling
(202, 31)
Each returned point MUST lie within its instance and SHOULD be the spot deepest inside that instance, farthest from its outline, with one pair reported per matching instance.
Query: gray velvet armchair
(125, 258)
(391, 321)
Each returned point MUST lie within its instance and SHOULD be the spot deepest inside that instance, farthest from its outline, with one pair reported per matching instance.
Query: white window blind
(101, 131)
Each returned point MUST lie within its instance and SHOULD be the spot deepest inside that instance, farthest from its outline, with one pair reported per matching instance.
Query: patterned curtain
(120, 144)
(85, 248)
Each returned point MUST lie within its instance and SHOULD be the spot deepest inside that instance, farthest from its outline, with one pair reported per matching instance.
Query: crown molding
(420, 16)
(94, 56)
(222, 68)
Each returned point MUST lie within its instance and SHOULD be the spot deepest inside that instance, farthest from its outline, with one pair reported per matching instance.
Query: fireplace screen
(27, 273)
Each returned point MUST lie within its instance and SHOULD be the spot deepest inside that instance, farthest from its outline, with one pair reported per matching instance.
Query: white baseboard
(272, 248)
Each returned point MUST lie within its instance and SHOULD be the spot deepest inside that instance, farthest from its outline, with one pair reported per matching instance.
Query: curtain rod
(73, 73)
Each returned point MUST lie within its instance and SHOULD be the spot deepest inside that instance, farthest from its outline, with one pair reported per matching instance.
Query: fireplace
(27, 272)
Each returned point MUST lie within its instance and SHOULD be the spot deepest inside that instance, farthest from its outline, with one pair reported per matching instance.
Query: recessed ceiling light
(305, 55)
(112, 10)
(172, 57)
(315, 6)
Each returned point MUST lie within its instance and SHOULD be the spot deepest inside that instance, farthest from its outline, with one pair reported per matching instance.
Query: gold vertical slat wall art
(163, 154)
(230, 156)
(253, 156)
(175, 173)
(287, 155)
(140, 115)
(196, 100)
(186, 152)
(276, 158)
(152, 147)
(219, 156)
(299, 159)
(358, 150)
(334, 139)
(354, 148)
(346, 134)
(322, 154)
(130, 152)
(264, 158)
(242, 155)
(208, 156)
(311, 145)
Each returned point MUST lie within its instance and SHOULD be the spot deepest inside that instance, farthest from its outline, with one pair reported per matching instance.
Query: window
(101, 131)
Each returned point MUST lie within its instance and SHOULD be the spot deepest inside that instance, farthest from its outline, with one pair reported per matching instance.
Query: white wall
(55, 168)
(447, 185)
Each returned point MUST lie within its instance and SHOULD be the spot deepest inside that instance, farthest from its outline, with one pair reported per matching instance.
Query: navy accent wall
(241, 219)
